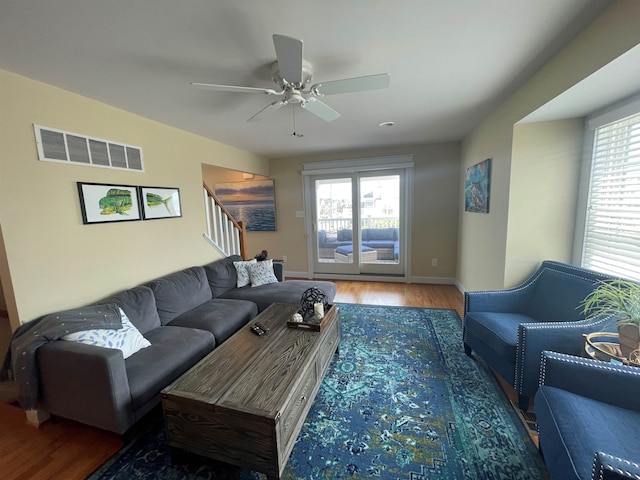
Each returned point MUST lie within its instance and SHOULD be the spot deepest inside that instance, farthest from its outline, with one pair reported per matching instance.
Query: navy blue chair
(510, 328)
(588, 415)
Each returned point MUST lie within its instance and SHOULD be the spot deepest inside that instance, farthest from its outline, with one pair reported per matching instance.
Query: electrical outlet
(284, 258)
(434, 262)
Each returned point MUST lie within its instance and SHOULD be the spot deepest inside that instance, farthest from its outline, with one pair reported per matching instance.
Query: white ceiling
(450, 62)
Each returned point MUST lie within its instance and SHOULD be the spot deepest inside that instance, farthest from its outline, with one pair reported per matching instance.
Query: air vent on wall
(60, 146)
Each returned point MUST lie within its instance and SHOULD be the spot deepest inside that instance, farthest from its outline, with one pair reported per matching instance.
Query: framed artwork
(477, 185)
(160, 202)
(102, 203)
(251, 202)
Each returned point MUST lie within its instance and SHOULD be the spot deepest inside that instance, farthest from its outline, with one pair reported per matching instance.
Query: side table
(604, 346)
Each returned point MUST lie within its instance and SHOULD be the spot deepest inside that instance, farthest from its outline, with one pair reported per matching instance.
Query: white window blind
(612, 234)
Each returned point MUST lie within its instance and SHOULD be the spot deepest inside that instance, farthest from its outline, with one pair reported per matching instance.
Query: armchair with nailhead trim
(588, 416)
(510, 328)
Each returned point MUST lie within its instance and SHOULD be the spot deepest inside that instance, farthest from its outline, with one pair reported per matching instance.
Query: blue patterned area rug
(400, 401)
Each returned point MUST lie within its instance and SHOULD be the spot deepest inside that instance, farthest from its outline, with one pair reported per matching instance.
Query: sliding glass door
(357, 225)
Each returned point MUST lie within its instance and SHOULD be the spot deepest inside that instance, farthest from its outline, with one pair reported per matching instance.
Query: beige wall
(435, 207)
(545, 172)
(485, 260)
(53, 260)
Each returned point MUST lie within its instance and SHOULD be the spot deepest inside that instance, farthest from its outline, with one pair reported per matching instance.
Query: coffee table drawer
(328, 348)
(295, 411)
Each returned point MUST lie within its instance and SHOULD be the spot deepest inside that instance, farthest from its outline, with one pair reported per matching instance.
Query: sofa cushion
(172, 352)
(222, 317)
(371, 234)
(345, 235)
(222, 275)
(282, 292)
(557, 296)
(378, 244)
(574, 428)
(499, 331)
(139, 305)
(347, 249)
(180, 292)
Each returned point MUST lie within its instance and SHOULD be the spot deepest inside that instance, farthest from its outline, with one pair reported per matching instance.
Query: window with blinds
(612, 233)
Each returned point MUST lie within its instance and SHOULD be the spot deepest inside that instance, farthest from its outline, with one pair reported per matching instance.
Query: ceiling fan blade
(289, 53)
(272, 106)
(320, 109)
(234, 88)
(355, 84)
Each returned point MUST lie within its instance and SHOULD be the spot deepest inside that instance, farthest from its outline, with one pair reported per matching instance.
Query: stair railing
(223, 232)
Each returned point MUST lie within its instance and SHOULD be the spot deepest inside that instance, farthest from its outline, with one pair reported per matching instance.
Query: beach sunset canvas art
(250, 202)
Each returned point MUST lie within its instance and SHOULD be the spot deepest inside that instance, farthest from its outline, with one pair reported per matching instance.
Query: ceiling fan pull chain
(295, 134)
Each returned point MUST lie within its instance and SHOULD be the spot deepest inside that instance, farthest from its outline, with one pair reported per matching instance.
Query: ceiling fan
(293, 75)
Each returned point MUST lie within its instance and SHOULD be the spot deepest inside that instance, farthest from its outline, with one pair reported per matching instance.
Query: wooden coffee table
(245, 402)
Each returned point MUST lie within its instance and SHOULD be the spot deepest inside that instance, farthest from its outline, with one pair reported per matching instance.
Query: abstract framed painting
(251, 202)
(160, 202)
(477, 185)
(104, 203)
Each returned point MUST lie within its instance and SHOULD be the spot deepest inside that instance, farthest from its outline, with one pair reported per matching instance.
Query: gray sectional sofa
(184, 315)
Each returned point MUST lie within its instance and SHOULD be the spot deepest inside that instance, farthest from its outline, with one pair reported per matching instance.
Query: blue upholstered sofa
(510, 328)
(588, 415)
(384, 240)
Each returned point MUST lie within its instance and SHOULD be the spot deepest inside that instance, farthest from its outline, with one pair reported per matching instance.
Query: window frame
(614, 113)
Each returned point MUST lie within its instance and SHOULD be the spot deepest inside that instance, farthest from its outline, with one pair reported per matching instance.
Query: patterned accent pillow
(261, 273)
(243, 273)
(128, 338)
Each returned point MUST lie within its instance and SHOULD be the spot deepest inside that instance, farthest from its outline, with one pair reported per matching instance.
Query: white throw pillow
(128, 338)
(243, 273)
(261, 273)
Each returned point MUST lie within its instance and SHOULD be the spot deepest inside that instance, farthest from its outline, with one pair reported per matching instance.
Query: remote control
(261, 326)
(257, 330)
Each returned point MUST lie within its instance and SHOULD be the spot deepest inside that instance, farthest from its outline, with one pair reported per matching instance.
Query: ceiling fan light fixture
(293, 75)
(295, 97)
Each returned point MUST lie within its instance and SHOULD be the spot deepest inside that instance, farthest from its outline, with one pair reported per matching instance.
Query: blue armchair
(588, 417)
(510, 328)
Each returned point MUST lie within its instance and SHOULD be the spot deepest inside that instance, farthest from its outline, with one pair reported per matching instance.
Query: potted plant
(621, 300)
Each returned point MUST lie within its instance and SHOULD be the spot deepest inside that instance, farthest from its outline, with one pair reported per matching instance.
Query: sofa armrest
(534, 338)
(86, 383)
(278, 270)
(512, 300)
(602, 381)
(609, 467)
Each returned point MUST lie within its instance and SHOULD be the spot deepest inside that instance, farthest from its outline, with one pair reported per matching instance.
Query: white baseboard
(460, 287)
(373, 278)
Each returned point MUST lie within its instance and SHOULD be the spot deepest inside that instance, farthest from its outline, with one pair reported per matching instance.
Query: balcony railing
(335, 224)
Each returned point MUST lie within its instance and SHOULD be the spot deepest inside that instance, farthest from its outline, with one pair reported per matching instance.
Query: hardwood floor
(68, 451)
(400, 294)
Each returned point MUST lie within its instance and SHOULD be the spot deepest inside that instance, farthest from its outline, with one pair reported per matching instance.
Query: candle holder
(310, 297)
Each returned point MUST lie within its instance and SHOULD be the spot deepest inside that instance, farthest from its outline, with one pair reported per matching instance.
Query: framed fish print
(103, 203)
(160, 202)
